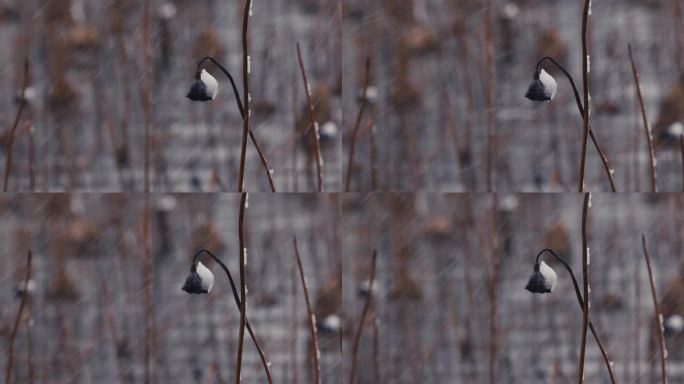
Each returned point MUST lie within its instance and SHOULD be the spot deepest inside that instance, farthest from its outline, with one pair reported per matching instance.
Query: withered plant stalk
(357, 126)
(8, 162)
(658, 314)
(17, 320)
(359, 330)
(313, 125)
(315, 352)
(647, 126)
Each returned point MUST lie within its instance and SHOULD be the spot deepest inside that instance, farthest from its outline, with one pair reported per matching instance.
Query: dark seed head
(193, 284)
(198, 91)
(537, 283)
(542, 88)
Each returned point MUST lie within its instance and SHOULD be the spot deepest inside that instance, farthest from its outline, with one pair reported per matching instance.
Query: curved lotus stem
(604, 353)
(238, 100)
(604, 159)
(238, 303)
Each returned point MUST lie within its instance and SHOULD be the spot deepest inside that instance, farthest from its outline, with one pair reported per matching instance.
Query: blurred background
(83, 125)
(84, 320)
(451, 270)
(434, 94)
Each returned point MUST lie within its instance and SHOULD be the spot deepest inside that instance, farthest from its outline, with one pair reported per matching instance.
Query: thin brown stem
(357, 126)
(373, 156)
(491, 112)
(245, 92)
(585, 284)
(493, 290)
(8, 162)
(149, 304)
(658, 314)
(681, 144)
(315, 352)
(243, 285)
(314, 124)
(15, 328)
(585, 83)
(359, 330)
(376, 350)
(647, 126)
(148, 267)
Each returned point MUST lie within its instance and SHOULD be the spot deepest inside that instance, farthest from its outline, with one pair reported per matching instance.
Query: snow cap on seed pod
(542, 88)
(543, 279)
(204, 88)
(200, 280)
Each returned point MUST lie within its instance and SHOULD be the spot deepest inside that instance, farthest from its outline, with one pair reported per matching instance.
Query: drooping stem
(585, 83)
(578, 293)
(262, 156)
(364, 312)
(585, 284)
(15, 328)
(245, 91)
(647, 127)
(315, 352)
(357, 126)
(243, 286)
(22, 101)
(313, 124)
(658, 314)
(578, 101)
(236, 297)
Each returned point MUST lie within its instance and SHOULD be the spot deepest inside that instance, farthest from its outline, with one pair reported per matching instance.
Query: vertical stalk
(314, 124)
(15, 328)
(376, 350)
(359, 330)
(493, 287)
(658, 314)
(647, 126)
(147, 256)
(681, 145)
(246, 95)
(585, 284)
(312, 318)
(8, 162)
(491, 112)
(243, 284)
(585, 83)
(357, 126)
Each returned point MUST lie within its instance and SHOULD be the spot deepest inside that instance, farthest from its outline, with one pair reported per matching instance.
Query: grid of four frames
(325, 191)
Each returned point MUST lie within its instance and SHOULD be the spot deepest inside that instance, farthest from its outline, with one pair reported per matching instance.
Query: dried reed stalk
(314, 124)
(15, 328)
(246, 96)
(243, 284)
(359, 330)
(8, 162)
(647, 126)
(585, 285)
(357, 126)
(658, 314)
(312, 318)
